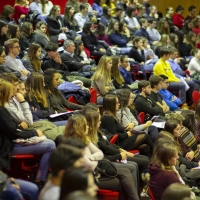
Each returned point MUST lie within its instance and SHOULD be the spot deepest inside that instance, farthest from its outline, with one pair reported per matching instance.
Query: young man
(192, 13)
(13, 49)
(142, 31)
(171, 100)
(141, 12)
(64, 157)
(142, 101)
(119, 15)
(82, 16)
(163, 67)
(154, 35)
(156, 85)
(124, 69)
(122, 4)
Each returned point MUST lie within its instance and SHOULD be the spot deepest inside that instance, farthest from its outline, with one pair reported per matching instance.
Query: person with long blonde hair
(31, 61)
(101, 80)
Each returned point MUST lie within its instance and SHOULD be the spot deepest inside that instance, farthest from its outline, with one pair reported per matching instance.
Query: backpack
(31, 17)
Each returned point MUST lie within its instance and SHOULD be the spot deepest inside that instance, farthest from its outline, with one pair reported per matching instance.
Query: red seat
(187, 72)
(137, 75)
(151, 194)
(93, 93)
(87, 51)
(196, 97)
(141, 118)
(73, 100)
(114, 139)
(108, 194)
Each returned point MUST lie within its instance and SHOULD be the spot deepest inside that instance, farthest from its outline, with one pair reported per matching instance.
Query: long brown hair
(35, 88)
(31, 55)
(6, 89)
(76, 128)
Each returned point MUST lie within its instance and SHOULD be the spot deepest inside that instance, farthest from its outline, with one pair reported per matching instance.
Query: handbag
(107, 168)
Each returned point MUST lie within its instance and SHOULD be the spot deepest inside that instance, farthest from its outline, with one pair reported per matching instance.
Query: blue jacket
(98, 9)
(143, 33)
(116, 38)
(167, 97)
(126, 75)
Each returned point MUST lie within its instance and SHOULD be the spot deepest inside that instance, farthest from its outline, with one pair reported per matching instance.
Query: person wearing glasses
(12, 48)
(171, 100)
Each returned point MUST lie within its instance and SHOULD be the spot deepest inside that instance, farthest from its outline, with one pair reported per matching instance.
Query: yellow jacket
(163, 68)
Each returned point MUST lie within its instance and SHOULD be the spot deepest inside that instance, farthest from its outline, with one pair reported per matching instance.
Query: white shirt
(132, 22)
(154, 35)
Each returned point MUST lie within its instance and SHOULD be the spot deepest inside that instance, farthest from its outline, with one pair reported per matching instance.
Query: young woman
(46, 6)
(20, 10)
(41, 36)
(85, 180)
(168, 17)
(27, 35)
(55, 25)
(55, 98)
(125, 32)
(126, 139)
(163, 27)
(101, 80)
(3, 32)
(133, 23)
(191, 42)
(196, 25)
(77, 128)
(178, 18)
(10, 131)
(97, 7)
(187, 26)
(79, 51)
(91, 43)
(126, 118)
(116, 37)
(110, 5)
(6, 14)
(173, 40)
(173, 126)
(68, 19)
(106, 17)
(31, 61)
(162, 168)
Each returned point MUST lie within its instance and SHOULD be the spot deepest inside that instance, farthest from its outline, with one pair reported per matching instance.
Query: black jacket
(136, 56)
(147, 105)
(70, 26)
(8, 133)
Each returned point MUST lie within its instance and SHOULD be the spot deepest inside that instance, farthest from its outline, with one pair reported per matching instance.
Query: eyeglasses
(3, 56)
(18, 47)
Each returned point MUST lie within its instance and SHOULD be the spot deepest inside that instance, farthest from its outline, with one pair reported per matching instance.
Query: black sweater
(136, 56)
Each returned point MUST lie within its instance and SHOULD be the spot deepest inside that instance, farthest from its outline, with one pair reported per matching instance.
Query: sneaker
(185, 107)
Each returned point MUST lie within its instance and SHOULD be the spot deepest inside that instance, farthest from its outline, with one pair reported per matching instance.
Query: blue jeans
(28, 190)
(125, 50)
(42, 148)
(60, 123)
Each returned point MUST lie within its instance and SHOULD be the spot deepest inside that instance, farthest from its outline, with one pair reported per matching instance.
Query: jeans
(42, 18)
(180, 87)
(28, 190)
(125, 50)
(149, 67)
(60, 123)
(42, 148)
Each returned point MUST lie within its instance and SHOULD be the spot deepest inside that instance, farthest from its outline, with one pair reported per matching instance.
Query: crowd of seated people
(136, 59)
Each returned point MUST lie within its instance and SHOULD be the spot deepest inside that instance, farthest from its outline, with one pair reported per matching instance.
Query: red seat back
(151, 194)
(196, 97)
(93, 98)
(141, 118)
(114, 139)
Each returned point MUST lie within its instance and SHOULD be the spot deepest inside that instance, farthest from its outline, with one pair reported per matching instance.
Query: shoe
(185, 107)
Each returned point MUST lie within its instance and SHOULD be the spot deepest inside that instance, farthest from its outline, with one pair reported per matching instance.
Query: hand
(123, 155)
(107, 88)
(129, 126)
(148, 123)
(23, 72)
(190, 155)
(57, 58)
(14, 184)
(102, 50)
(24, 125)
(128, 68)
(129, 133)
(56, 112)
(174, 98)
(95, 12)
(142, 63)
(34, 109)
(64, 29)
(19, 97)
(39, 132)
(83, 62)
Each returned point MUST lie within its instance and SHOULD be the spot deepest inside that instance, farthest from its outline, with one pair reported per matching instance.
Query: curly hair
(25, 29)
(76, 128)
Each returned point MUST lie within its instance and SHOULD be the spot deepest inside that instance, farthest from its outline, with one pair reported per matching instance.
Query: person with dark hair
(56, 26)
(69, 21)
(171, 100)
(90, 41)
(196, 25)
(62, 158)
(131, 20)
(142, 101)
(97, 6)
(31, 61)
(154, 35)
(75, 4)
(156, 84)
(192, 12)
(3, 32)
(119, 15)
(82, 16)
(110, 5)
(178, 18)
(6, 14)
(187, 27)
(85, 180)
(141, 12)
(163, 67)
(41, 36)
(147, 5)
(56, 100)
(122, 4)
(106, 16)
(142, 32)
(169, 19)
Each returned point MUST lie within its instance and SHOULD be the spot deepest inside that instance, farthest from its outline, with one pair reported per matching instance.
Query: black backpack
(31, 17)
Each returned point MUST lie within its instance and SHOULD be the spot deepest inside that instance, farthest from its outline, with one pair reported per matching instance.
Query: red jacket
(178, 20)
(196, 30)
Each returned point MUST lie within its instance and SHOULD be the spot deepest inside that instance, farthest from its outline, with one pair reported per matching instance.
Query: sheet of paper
(59, 114)
(159, 124)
